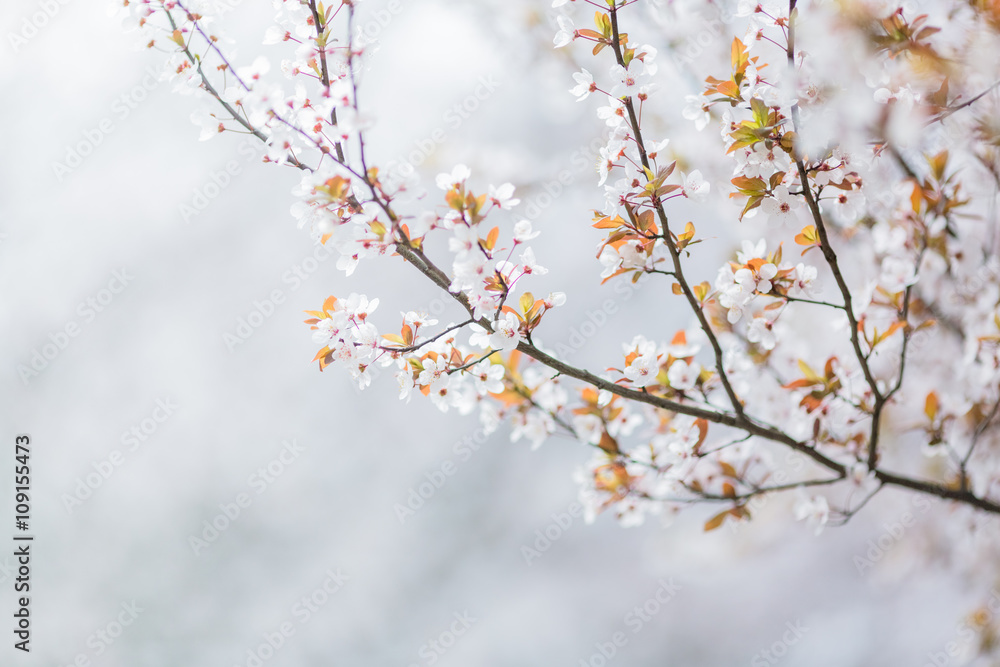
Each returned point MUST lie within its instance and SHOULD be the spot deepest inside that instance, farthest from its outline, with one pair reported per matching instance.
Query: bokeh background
(156, 337)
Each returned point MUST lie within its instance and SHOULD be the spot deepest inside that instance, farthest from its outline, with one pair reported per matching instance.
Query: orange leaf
(509, 398)
(896, 326)
(736, 54)
(454, 200)
(916, 197)
(799, 384)
(808, 236)
(514, 360)
(526, 301)
(728, 470)
(702, 425)
(609, 223)
(615, 274)
(491, 238)
(716, 521)
(609, 444)
(931, 405)
(728, 88)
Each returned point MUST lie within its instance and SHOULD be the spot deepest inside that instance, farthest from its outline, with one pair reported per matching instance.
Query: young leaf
(931, 405)
(716, 521)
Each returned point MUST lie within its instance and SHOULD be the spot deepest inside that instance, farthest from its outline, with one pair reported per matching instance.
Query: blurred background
(202, 495)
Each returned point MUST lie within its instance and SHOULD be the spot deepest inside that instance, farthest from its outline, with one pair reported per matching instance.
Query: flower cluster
(878, 161)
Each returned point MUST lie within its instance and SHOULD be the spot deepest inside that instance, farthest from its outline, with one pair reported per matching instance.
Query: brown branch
(976, 436)
(675, 257)
(417, 346)
(795, 299)
(831, 259)
(207, 85)
(950, 110)
(325, 72)
(764, 490)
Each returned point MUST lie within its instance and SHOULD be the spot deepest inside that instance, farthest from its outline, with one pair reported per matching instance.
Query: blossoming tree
(860, 333)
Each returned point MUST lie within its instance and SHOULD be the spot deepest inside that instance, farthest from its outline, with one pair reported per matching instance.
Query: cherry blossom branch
(950, 110)
(557, 419)
(888, 479)
(737, 419)
(470, 364)
(796, 299)
(962, 494)
(737, 441)
(352, 200)
(845, 515)
(764, 490)
(675, 258)
(881, 400)
(904, 316)
(831, 259)
(740, 422)
(417, 346)
(207, 85)
(325, 72)
(976, 437)
(945, 492)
